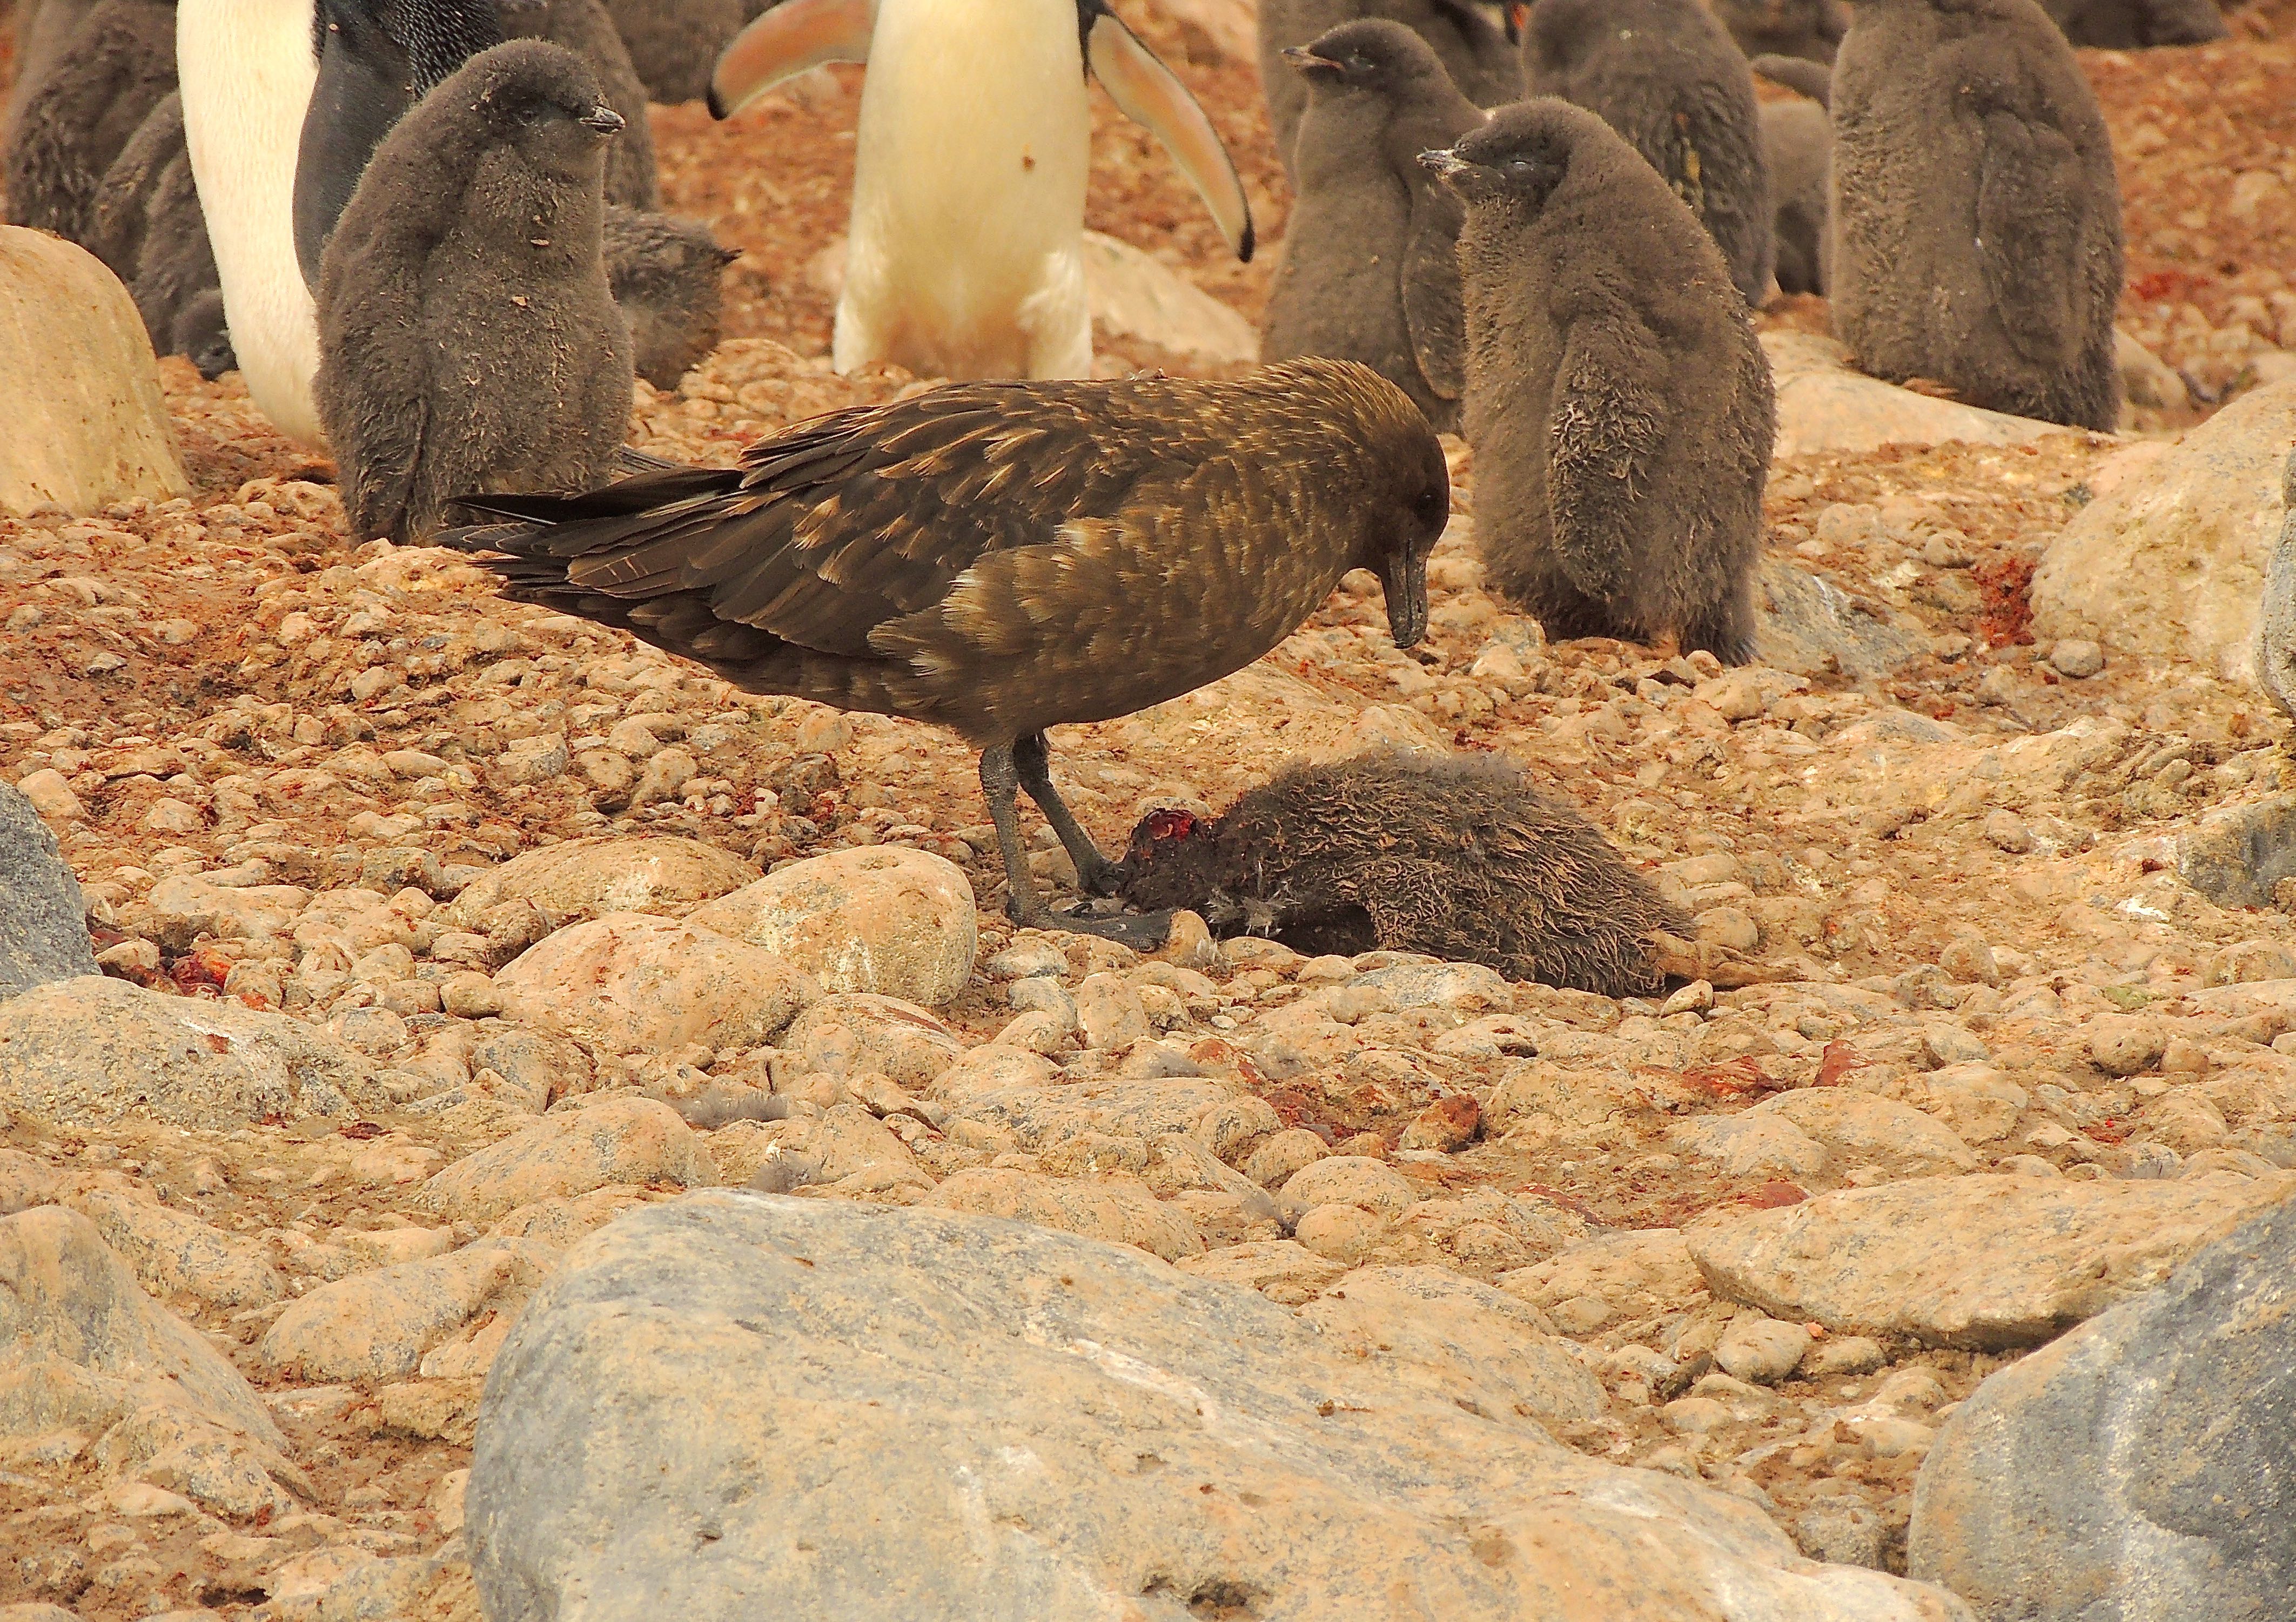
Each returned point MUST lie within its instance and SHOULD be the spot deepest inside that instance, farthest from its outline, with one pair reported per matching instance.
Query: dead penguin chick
(1458, 858)
(1668, 78)
(664, 272)
(119, 62)
(1976, 218)
(468, 339)
(1000, 558)
(1370, 268)
(1620, 407)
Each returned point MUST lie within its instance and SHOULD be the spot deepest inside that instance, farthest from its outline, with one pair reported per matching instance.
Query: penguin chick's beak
(1302, 60)
(602, 118)
(1403, 579)
(1444, 162)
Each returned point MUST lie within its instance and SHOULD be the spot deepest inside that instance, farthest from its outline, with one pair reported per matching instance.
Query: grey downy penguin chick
(468, 339)
(117, 63)
(2276, 661)
(2122, 25)
(147, 227)
(1620, 407)
(200, 334)
(1798, 139)
(377, 58)
(1458, 856)
(1811, 29)
(1666, 76)
(1476, 51)
(1976, 211)
(674, 43)
(43, 28)
(1370, 272)
(664, 272)
(586, 28)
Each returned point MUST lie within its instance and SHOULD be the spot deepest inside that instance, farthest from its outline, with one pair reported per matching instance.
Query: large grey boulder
(738, 1405)
(43, 920)
(2142, 1467)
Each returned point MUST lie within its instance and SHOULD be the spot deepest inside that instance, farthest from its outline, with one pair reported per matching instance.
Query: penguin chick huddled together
(1976, 213)
(1798, 139)
(1370, 271)
(1476, 52)
(2122, 25)
(468, 338)
(1620, 408)
(1458, 856)
(70, 123)
(1666, 76)
(673, 44)
(1811, 29)
(147, 227)
(664, 274)
(586, 28)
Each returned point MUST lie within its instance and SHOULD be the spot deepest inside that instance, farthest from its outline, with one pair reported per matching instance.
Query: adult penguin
(249, 71)
(964, 257)
(377, 58)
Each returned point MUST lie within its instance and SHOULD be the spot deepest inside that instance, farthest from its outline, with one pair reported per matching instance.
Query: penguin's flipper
(1150, 96)
(1606, 425)
(782, 43)
(1433, 307)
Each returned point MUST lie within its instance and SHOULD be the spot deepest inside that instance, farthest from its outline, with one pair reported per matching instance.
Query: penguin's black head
(1370, 55)
(543, 99)
(1516, 160)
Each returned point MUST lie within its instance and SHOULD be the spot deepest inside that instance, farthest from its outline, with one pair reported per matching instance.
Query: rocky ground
(2016, 1029)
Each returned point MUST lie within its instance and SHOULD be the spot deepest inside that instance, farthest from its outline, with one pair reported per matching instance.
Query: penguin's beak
(602, 118)
(1303, 60)
(1517, 14)
(1403, 579)
(1443, 162)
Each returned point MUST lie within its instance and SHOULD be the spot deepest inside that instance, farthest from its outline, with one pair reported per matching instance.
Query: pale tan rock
(87, 426)
(1357, 1180)
(1639, 1272)
(1283, 1270)
(637, 983)
(852, 1031)
(617, 1140)
(1112, 1208)
(1750, 1145)
(1135, 296)
(1283, 1153)
(51, 794)
(1347, 1234)
(2125, 1044)
(1109, 1011)
(1759, 1349)
(1981, 1103)
(996, 1377)
(1824, 405)
(882, 918)
(578, 879)
(1988, 1260)
(94, 1050)
(175, 1253)
(376, 1326)
(560, 1222)
(1492, 1348)
(2170, 564)
(82, 1348)
(1860, 1129)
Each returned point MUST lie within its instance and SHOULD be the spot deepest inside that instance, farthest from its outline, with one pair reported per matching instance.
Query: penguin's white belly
(966, 255)
(247, 71)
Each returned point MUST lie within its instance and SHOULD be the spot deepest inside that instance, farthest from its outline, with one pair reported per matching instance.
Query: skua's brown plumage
(999, 557)
(1457, 856)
